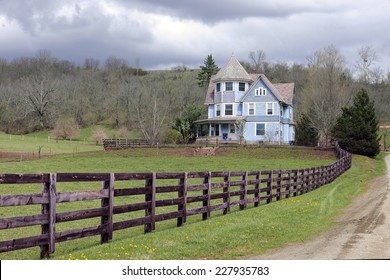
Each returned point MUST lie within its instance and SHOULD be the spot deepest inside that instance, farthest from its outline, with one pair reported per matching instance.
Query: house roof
(232, 70)
(286, 92)
(228, 119)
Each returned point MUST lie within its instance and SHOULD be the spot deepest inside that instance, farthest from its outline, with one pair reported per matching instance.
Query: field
(237, 235)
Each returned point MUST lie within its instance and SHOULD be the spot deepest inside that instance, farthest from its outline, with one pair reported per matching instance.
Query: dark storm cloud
(163, 33)
(212, 11)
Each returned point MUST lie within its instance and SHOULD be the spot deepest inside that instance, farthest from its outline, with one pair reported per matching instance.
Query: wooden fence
(194, 193)
(123, 143)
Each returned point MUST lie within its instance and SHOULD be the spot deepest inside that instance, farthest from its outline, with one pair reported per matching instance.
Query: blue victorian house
(247, 108)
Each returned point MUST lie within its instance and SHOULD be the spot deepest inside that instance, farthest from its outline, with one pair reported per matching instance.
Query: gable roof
(283, 91)
(232, 70)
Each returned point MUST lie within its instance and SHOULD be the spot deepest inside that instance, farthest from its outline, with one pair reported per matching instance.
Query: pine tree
(356, 129)
(209, 69)
(305, 132)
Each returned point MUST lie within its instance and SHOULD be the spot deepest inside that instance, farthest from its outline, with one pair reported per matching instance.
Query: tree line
(41, 92)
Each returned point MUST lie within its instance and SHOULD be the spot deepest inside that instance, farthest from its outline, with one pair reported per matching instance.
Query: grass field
(239, 234)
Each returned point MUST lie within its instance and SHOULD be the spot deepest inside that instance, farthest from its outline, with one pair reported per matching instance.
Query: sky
(161, 34)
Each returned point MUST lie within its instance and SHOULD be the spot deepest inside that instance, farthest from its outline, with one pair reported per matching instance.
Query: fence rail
(123, 143)
(194, 193)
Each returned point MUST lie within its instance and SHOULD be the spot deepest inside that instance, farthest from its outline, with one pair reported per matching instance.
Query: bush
(65, 129)
(172, 136)
(98, 136)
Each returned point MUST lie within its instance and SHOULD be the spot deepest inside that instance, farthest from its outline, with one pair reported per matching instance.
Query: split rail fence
(194, 193)
(123, 143)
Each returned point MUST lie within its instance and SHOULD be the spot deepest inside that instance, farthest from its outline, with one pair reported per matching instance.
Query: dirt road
(363, 231)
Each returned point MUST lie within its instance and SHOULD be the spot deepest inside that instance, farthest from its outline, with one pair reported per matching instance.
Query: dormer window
(260, 91)
(218, 87)
(229, 86)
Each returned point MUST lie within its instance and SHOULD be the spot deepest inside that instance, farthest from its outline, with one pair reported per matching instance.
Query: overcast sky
(159, 34)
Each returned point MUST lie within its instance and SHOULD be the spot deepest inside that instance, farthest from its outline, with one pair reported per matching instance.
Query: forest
(43, 92)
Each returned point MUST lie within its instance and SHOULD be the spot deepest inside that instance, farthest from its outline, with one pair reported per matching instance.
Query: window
(232, 129)
(260, 129)
(228, 109)
(218, 110)
(218, 87)
(260, 91)
(229, 86)
(251, 109)
(270, 108)
(241, 86)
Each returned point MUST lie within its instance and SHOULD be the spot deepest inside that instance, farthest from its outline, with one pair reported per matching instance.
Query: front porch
(218, 131)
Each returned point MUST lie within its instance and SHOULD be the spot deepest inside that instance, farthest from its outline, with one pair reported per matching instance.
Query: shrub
(65, 129)
(98, 136)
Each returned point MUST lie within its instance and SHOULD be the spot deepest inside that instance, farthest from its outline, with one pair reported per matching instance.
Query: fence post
(182, 193)
(207, 192)
(257, 188)
(108, 202)
(295, 182)
(226, 190)
(288, 172)
(303, 181)
(279, 185)
(269, 187)
(49, 189)
(150, 196)
(243, 189)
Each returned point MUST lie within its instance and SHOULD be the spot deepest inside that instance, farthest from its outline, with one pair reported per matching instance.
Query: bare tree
(367, 57)
(38, 92)
(257, 60)
(91, 63)
(326, 91)
(152, 105)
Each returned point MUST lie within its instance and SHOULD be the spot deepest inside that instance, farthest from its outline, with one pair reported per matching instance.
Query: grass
(243, 233)
(236, 235)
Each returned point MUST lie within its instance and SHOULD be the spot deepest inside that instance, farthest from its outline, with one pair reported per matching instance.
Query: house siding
(261, 94)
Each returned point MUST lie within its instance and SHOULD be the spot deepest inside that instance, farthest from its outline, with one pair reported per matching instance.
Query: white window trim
(232, 86)
(239, 86)
(265, 129)
(224, 109)
(216, 110)
(261, 91)
(254, 108)
(273, 108)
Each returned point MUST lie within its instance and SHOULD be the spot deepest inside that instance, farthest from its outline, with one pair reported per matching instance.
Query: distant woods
(41, 92)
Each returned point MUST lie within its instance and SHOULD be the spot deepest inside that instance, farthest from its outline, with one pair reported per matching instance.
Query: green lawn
(238, 234)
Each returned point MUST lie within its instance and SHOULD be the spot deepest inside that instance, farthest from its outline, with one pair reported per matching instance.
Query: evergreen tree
(209, 69)
(186, 123)
(356, 129)
(305, 133)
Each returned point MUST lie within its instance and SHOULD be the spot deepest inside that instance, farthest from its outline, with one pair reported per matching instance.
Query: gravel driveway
(363, 231)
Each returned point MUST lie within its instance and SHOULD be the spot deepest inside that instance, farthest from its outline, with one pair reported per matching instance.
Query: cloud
(161, 34)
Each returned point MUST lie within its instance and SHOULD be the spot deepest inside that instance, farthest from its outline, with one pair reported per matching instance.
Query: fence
(194, 193)
(119, 143)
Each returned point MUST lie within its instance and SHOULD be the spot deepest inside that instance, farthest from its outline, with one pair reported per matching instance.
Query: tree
(367, 57)
(209, 69)
(305, 132)
(186, 123)
(356, 129)
(326, 91)
(257, 61)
